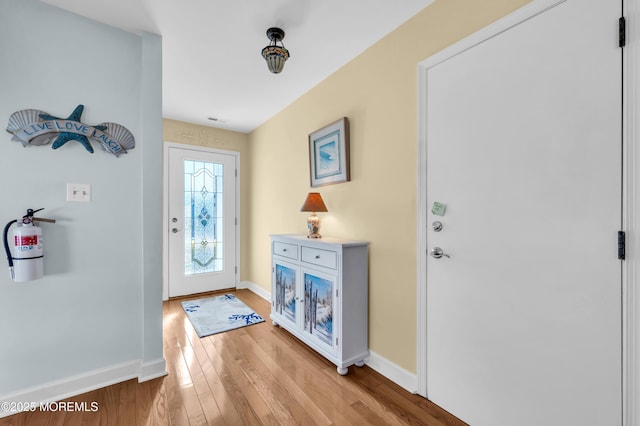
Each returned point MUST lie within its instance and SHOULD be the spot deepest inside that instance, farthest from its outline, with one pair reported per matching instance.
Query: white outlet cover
(79, 192)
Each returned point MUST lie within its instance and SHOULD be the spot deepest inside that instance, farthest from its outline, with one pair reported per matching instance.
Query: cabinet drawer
(285, 249)
(326, 258)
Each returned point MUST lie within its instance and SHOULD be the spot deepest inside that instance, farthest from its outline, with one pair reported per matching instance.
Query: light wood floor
(256, 375)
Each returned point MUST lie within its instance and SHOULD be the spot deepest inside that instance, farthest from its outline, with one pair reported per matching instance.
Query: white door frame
(165, 208)
(631, 196)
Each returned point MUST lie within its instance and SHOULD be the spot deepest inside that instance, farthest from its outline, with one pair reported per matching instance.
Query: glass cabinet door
(319, 303)
(285, 281)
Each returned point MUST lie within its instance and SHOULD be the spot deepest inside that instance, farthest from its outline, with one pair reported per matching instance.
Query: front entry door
(523, 135)
(202, 221)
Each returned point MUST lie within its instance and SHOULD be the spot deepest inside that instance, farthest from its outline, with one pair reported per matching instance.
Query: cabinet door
(285, 292)
(320, 308)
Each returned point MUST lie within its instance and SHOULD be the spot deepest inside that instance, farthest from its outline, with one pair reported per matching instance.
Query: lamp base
(313, 224)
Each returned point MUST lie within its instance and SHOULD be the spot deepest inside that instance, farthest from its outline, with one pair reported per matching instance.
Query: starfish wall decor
(34, 127)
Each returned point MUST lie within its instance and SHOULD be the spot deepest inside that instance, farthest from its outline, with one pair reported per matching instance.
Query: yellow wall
(211, 137)
(377, 91)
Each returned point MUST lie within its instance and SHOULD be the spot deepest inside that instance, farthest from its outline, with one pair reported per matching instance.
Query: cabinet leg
(343, 371)
(359, 363)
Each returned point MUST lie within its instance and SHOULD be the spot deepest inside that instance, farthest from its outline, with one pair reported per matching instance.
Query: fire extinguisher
(27, 261)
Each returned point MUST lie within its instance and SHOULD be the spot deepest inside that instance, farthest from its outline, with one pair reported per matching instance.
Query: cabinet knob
(317, 256)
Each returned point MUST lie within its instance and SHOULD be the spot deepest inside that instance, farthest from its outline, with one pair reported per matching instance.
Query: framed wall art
(329, 154)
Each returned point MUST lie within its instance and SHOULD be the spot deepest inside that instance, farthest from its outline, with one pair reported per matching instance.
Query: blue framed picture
(329, 154)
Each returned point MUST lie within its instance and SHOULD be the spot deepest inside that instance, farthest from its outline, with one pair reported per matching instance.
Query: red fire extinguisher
(27, 261)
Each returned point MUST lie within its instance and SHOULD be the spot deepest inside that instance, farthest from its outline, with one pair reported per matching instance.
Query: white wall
(96, 316)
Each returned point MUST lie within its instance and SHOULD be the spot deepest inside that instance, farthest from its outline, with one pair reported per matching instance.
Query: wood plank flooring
(256, 375)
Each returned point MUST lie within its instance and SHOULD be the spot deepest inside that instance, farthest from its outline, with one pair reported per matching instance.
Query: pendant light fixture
(275, 55)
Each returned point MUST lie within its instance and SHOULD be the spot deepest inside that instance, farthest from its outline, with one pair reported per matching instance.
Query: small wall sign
(34, 127)
(439, 209)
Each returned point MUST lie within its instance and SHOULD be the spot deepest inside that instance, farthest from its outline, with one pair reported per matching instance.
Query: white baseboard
(256, 289)
(82, 383)
(152, 370)
(393, 372)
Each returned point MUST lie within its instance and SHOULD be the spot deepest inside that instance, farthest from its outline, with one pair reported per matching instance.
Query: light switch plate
(79, 192)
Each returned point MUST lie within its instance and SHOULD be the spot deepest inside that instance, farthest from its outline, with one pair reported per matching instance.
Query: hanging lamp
(275, 55)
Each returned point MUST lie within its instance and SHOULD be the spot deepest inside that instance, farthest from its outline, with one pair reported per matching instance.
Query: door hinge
(336, 341)
(236, 270)
(336, 292)
(621, 245)
(622, 31)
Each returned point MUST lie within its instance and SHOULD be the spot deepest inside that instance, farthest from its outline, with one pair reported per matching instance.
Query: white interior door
(201, 224)
(523, 135)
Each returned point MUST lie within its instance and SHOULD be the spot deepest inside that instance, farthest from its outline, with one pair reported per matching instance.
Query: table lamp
(313, 204)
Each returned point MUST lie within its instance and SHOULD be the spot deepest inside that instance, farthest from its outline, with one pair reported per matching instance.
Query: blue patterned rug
(216, 314)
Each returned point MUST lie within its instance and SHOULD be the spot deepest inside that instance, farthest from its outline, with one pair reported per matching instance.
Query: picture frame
(329, 161)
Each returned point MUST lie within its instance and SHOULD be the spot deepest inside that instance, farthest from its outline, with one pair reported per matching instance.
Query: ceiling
(212, 67)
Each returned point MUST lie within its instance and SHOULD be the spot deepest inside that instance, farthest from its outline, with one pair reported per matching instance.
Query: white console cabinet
(319, 293)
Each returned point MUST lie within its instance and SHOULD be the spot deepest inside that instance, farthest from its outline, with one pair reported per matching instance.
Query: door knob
(175, 230)
(438, 253)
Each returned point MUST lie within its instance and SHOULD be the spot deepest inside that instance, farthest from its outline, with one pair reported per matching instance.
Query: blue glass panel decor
(203, 217)
(318, 307)
(285, 297)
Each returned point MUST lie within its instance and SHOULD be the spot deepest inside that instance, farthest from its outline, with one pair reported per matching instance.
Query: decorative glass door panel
(202, 221)
(285, 298)
(319, 306)
(203, 217)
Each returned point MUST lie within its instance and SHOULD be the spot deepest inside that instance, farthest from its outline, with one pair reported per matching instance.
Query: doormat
(217, 314)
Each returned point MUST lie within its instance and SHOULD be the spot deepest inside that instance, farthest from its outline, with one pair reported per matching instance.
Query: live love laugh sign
(34, 127)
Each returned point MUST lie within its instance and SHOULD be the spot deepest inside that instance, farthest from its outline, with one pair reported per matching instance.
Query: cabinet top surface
(298, 238)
